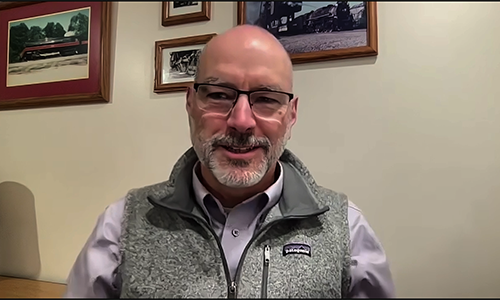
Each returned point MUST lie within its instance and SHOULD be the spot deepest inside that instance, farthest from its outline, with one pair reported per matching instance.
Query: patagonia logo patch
(296, 248)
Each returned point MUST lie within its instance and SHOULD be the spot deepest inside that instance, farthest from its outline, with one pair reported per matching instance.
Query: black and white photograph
(177, 4)
(184, 12)
(308, 27)
(48, 48)
(181, 65)
(184, 7)
(176, 61)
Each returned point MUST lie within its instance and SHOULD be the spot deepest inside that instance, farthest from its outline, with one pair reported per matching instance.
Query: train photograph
(48, 48)
(303, 26)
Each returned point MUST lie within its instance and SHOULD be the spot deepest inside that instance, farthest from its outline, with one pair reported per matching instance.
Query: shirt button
(236, 232)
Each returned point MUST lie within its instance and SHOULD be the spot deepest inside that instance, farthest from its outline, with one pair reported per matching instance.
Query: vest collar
(299, 188)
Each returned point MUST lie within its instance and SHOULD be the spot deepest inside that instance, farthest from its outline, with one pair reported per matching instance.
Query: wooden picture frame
(177, 59)
(66, 63)
(356, 28)
(198, 12)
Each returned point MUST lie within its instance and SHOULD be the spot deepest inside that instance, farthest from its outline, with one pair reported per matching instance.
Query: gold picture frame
(185, 12)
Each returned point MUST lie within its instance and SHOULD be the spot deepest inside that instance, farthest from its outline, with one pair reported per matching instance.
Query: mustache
(243, 140)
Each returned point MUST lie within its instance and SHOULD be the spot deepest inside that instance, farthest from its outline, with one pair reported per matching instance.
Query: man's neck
(230, 197)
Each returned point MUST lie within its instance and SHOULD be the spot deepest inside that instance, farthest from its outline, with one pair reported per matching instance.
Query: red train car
(50, 47)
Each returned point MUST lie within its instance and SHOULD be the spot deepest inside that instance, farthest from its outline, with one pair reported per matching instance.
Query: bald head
(248, 50)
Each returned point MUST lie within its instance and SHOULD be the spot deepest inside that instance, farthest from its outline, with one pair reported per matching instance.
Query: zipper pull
(265, 271)
(232, 290)
(267, 254)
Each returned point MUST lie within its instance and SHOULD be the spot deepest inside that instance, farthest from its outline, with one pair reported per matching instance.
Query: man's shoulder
(153, 189)
(331, 197)
(355, 214)
(115, 210)
(139, 196)
(342, 201)
(353, 207)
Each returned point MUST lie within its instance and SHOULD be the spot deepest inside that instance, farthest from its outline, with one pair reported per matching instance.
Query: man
(240, 215)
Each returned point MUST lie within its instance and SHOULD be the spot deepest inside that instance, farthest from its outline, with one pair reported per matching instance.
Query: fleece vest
(300, 250)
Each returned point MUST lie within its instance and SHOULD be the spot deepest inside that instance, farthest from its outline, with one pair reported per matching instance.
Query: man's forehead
(246, 66)
(246, 74)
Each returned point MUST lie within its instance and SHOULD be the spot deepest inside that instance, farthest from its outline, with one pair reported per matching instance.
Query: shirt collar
(273, 192)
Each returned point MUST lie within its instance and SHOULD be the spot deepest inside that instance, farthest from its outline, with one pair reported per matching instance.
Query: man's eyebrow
(211, 80)
(218, 81)
(268, 87)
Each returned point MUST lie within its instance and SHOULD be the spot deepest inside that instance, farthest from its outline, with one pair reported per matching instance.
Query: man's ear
(189, 98)
(294, 112)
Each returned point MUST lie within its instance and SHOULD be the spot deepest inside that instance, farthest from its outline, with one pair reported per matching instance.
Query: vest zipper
(264, 229)
(231, 285)
(232, 290)
(265, 271)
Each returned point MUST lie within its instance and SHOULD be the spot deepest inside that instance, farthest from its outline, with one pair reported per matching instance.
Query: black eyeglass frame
(240, 92)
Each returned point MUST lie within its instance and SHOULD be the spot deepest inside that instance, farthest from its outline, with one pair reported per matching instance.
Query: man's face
(240, 148)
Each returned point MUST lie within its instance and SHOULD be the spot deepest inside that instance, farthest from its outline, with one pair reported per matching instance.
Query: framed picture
(54, 53)
(184, 12)
(317, 31)
(176, 61)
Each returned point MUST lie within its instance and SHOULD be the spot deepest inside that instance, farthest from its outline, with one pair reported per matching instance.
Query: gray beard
(238, 173)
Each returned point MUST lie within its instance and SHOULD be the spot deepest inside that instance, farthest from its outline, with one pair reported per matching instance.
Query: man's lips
(237, 149)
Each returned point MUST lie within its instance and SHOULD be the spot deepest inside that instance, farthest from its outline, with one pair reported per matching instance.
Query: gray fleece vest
(300, 250)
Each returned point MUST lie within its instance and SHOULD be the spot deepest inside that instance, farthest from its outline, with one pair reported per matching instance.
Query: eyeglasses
(218, 99)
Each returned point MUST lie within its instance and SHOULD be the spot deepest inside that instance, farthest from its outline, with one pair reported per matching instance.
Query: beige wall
(413, 137)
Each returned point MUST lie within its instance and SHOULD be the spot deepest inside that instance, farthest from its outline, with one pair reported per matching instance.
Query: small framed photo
(176, 61)
(317, 31)
(55, 53)
(184, 12)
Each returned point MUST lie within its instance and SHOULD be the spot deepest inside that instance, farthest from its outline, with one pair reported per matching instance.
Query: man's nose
(241, 117)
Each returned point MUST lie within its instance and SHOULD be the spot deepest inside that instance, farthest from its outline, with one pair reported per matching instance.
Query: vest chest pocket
(301, 269)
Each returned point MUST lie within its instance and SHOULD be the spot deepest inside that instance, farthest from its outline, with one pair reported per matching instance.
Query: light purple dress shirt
(93, 274)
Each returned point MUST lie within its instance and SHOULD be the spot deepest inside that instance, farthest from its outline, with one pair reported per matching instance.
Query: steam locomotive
(279, 18)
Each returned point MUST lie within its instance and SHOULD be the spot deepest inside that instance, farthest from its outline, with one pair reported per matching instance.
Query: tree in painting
(20, 34)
